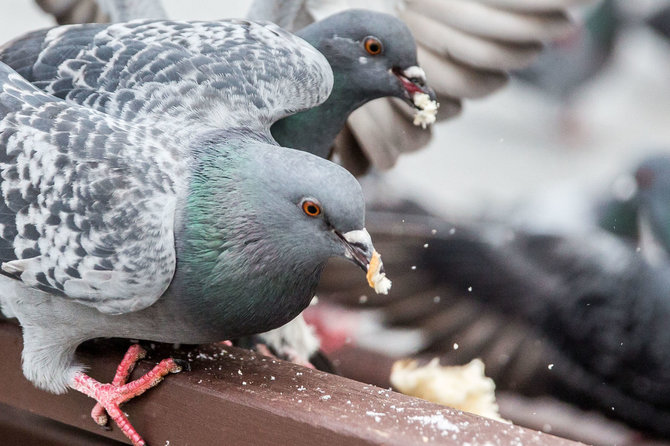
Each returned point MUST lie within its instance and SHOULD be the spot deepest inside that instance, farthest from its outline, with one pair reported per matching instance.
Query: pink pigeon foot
(111, 396)
(123, 371)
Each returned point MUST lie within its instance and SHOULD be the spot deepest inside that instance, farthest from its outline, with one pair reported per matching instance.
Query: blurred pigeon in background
(579, 316)
(567, 63)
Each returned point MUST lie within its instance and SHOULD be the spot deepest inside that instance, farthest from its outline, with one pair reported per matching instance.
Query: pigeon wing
(185, 75)
(87, 202)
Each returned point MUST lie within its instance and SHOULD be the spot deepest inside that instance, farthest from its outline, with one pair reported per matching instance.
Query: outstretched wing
(87, 202)
(588, 304)
(466, 47)
(183, 75)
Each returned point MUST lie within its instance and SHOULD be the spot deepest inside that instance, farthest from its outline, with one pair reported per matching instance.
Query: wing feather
(87, 202)
(222, 74)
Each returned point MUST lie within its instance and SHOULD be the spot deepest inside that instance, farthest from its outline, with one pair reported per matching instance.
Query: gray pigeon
(467, 47)
(118, 69)
(173, 233)
(579, 316)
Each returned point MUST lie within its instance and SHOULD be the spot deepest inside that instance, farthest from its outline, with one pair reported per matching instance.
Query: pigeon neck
(314, 130)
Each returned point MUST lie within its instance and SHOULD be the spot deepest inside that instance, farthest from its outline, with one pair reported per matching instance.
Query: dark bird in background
(660, 22)
(567, 65)
(581, 317)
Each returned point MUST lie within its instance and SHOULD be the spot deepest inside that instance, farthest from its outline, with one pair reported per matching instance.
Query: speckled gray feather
(82, 198)
(177, 75)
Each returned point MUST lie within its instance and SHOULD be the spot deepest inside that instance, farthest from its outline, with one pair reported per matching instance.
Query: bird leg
(111, 396)
(123, 371)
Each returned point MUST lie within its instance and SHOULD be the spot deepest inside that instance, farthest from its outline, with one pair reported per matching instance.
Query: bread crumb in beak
(427, 113)
(377, 279)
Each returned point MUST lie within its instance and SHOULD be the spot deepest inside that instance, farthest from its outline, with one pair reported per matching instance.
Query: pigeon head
(372, 54)
(316, 207)
(260, 224)
(653, 195)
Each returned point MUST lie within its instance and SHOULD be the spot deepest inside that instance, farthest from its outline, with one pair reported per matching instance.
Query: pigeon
(171, 228)
(660, 22)
(569, 63)
(69, 65)
(579, 316)
(653, 207)
(467, 47)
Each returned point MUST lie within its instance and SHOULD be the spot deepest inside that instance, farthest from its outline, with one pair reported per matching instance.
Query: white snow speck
(437, 421)
(377, 415)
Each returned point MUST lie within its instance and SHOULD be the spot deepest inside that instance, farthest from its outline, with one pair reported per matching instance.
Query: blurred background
(538, 153)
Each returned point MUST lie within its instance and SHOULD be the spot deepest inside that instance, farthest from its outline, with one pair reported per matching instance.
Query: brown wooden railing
(236, 397)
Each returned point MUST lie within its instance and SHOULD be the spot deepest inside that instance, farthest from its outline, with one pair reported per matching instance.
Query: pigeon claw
(123, 371)
(111, 396)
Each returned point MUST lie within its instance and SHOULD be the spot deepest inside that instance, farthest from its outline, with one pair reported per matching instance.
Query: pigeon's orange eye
(373, 46)
(311, 208)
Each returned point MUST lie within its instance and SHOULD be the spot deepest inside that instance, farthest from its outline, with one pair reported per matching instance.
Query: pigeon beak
(358, 247)
(413, 80)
